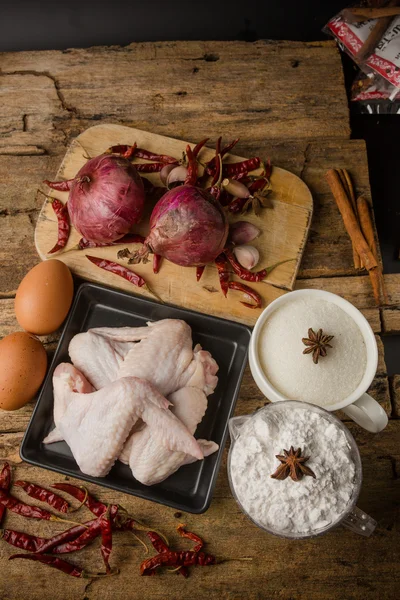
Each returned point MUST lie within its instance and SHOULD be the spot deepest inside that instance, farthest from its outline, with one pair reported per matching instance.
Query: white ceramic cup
(359, 405)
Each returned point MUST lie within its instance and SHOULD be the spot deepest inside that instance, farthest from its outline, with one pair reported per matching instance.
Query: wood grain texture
(284, 231)
(298, 116)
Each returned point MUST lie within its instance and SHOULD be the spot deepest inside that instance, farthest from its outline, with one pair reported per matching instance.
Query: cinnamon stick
(376, 34)
(367, 228)
(349, 190)
(350, 220)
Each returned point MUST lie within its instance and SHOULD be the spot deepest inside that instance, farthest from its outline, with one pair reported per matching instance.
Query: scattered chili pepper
(55, 562)
(210, 166)
(241, 167)
(199, 146)
(106, 535)
(247, 275)
(81, 494)
(191, 536)
(153, 167)
(156, 262)
(87, 536)
(5, 483)
(241, 287)
(129, 238)
(117, 269)
(25, 541)
(60, 186)
(26, 510)
(192, 167)
(223, 273)
(161, 546)
(39, 493)
(218, 163)
(199, 272)
(65, 536)
(164, 158)
(61, 212)
(129, 151)
(170, 558)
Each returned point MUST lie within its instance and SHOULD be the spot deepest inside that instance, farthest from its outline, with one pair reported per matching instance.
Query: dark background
(45, 24)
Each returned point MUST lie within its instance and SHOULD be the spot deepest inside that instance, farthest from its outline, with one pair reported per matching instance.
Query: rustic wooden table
(286, 100)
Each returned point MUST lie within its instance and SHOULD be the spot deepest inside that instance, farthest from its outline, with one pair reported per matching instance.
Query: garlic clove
(165, 171)
(236, 188)
(247, 256)
(177, 175)
(243, 232)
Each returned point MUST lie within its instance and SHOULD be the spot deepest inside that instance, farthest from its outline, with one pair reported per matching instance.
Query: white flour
(290, 506)
(293, 373)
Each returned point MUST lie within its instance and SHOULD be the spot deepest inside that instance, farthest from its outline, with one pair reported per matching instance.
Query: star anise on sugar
(317, 343)
(293, 465)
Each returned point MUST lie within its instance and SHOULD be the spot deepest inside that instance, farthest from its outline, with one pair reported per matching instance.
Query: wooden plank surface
(298, 116)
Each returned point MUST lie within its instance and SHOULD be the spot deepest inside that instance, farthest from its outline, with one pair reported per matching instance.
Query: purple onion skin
(187, 227)
(105, 207)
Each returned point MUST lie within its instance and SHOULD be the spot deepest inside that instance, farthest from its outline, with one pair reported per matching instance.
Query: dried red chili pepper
(129, 238)
(106, 534)
(241, 287)
(153, 167)
(164, 158)
(83, 540)
(5, 483)
(26, 510)
(199, 146)
(129, 151)
(55, 562)
(65, 536)
(199, 272)
(170, 558)
(60, 186)
(157, 259)
(191, 178)
(241, 167)
(218, 163)
(161, 546)
(39, 493)
(210, 166)
(81, 494)
(22, 540)
(191, 536)
(223, 273)
(247, 275)
(117, 269)
(61, 212)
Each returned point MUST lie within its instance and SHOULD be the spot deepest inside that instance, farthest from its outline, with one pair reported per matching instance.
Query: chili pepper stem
(71, 510)
(144, 527)
(55, 518)
(272, 267)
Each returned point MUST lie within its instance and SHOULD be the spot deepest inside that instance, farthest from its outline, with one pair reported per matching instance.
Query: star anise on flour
(293, 465)
(317, 343)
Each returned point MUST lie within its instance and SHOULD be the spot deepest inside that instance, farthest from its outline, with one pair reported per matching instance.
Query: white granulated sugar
(285, 506)
(293, 373)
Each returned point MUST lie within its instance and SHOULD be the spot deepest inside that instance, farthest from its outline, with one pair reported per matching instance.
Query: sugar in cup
(340, 379)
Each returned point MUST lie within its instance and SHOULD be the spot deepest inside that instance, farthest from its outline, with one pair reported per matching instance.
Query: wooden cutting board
(284, 232)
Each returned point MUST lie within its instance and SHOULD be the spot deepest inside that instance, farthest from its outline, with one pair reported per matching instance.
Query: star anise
(317, 343)
(293, 465)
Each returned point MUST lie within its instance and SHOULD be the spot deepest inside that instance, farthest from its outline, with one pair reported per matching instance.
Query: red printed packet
(385, 60)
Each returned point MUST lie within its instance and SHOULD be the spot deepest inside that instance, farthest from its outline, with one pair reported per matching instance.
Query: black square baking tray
(191, 487)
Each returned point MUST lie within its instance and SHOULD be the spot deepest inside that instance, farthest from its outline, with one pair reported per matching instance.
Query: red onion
(187, 227)
(106, 198)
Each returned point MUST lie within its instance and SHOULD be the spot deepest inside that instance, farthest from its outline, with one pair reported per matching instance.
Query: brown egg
(23, 361)
(44, 297)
